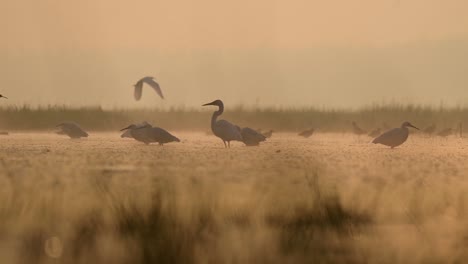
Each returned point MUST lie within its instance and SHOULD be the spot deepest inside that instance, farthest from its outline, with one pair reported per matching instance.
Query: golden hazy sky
(316, 52)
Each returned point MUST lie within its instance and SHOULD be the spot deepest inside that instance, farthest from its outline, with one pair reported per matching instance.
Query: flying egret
(357, 130)
(71, 129)
(222, 128)
(150, 81)
(394, 137)
(148, 134)
(307, 133)
(251, 137)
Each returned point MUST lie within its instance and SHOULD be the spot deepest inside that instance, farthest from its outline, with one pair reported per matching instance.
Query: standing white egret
(151, 82)
(222, 128)
(394, 137)
(71, 129)
(148, 134)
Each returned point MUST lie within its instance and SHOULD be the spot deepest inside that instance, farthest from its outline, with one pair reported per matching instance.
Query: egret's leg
(225, 146)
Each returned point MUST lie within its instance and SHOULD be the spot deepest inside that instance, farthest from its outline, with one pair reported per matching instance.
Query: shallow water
(414, 195)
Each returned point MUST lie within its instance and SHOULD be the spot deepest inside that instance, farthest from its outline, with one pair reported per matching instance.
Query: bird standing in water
(394, 137)
(223, 129)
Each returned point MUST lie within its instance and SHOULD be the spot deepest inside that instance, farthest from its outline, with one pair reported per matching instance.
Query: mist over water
(334, 54)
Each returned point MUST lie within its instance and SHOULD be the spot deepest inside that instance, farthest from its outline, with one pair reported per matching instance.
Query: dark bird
(148, 134)
(307, 133)
(357, 130)
(71, 129)
(374, 133)
(150, 81)
(251, 137)
(223, 129)
(128, 133)
(394, 137)
(445, 132)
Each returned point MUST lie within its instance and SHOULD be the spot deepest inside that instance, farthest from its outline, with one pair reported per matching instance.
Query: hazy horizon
(330, 54)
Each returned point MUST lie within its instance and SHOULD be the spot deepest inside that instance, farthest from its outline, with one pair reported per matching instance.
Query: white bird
(394, 137)
(150, 81)
(71, 129)
(148, 134)
(222, 128)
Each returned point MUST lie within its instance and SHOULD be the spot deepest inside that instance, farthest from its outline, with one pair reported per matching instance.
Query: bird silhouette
(394, 137)
(150, 81)
(71, 129)
(223, 129)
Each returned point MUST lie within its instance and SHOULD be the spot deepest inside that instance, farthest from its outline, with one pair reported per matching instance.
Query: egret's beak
(212, 103)
(125, 128)
(4, 97)
(413, 126)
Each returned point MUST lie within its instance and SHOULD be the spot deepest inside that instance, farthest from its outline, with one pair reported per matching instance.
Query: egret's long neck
(216, 114)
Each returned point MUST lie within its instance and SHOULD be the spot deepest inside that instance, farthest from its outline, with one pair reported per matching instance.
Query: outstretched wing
(138, 90)
(155, 86)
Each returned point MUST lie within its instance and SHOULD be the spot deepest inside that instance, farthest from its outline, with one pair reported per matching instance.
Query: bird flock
(146, 133)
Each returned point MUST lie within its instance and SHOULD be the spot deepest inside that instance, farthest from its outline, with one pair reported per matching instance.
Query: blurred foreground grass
(279, 119)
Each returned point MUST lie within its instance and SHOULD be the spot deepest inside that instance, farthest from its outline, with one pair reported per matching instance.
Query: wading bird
(71, 129)
(307, 133)
(357, 130)
(148, 134)
(128, 132)
(150, 81)
(250, 137)
(394, 137)
(222, 128)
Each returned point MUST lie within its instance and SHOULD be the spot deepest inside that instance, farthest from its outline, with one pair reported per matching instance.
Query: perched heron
(151, 82)
(268, 134)
(445, 132)
(222, 128)
(148, 134)
(394, 137)
(430, 129)
(374, 133)
(128, 132)
(307, 133)
(71, 129)
(251, 137)
(357, 130)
